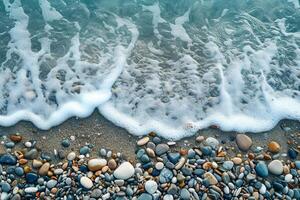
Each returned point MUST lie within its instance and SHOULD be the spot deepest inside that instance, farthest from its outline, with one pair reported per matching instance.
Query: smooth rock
(8, 159)
(143, 141)
(96, 164)
(86, 182)
(185, 194)
(211, 178)
(261, 170)
(212, 142)
(151, 186)
(124, 171)
(275, 167)
(43, 171)
(274, 147)
(161, 149)
(71, 156)
(243, 141)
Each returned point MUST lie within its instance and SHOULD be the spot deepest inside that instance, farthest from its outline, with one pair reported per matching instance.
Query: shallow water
(167, 66)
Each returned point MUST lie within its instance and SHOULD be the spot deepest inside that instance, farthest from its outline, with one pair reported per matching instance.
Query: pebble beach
(210, 165)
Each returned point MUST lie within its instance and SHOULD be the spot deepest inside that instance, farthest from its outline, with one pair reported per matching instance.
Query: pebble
(185, 194)
(31, 190)
(243, 141)
(161, 149)
(274, 147)
(43, 171)
(15, 138)
(86, 182)
(275, 167)
(212, 142)
(143, 141)
(71, 156)
(288, 178)
(151, 186)
(51, 184)
(36, 163)
(237, 160)
(211, 178)
(262, 170)
(65, 143)
(8, 159)
(112, 164)
(96, 164)
(200, 138)
(228, 165)
(124, 171)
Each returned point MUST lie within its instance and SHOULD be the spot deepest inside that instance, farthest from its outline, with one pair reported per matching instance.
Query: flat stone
(243, 141)
(51, 183)
(96, 193)
(237, 160)
(43, 171)
(15, 138)
(31, 190)
(37, 163)
(8, 159)
(212, 142)
(151, 186)
(124, 171)
(145, 196)
(275, 167)
(161, 149)
(261, 170)
(86, 182)
(228, 165)
(96, 164)
(185, 194)
(143, 141)
(211, 178)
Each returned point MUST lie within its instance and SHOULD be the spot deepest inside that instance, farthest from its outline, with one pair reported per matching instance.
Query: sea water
(168, 66)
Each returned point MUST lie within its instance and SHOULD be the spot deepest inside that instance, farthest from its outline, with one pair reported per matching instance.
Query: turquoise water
(168, 66)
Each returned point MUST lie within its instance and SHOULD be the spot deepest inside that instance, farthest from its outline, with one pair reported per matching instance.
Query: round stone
(86, 182)
(65, 143)
(31, 177)
(274, 147)
(161, 149)
(243, 141)
(210, 178)
(8, 159)
(185, 194)
(112, 164)
(143, 141)
(275, 167)
(51, 184)
(288, 178)
(228, 165)
(261, 169)
(15, 138)
(96, 164)
(237, 160)
(71, 156)
(124, 171)
(151, 186)
(212, 142)
(159, 165)
(84, 150)
(43, 171)
(5, 187)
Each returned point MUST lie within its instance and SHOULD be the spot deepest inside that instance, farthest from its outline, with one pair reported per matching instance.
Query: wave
(163, 66)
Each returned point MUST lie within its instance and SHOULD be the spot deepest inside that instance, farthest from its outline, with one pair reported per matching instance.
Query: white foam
(231, 74)
(49, 13)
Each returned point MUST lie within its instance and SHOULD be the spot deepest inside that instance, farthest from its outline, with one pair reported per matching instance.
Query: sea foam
(162, 66)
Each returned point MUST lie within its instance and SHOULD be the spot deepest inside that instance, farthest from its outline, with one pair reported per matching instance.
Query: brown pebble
(23, 161)
(15, 138)
(207, 165)
(54, 190)
(274, 147)
(243, 141)
(267, 157)
(183, 151)
(251, 156)
(104, 169)
(44, 169)
(237, 160)
(200, 138)
(27, 169)
(112, 164)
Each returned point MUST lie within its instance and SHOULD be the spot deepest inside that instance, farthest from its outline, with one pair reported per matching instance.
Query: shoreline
(93, 159)
(98, 131)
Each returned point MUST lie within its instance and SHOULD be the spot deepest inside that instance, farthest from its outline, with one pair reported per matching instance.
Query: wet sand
(101, 133)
